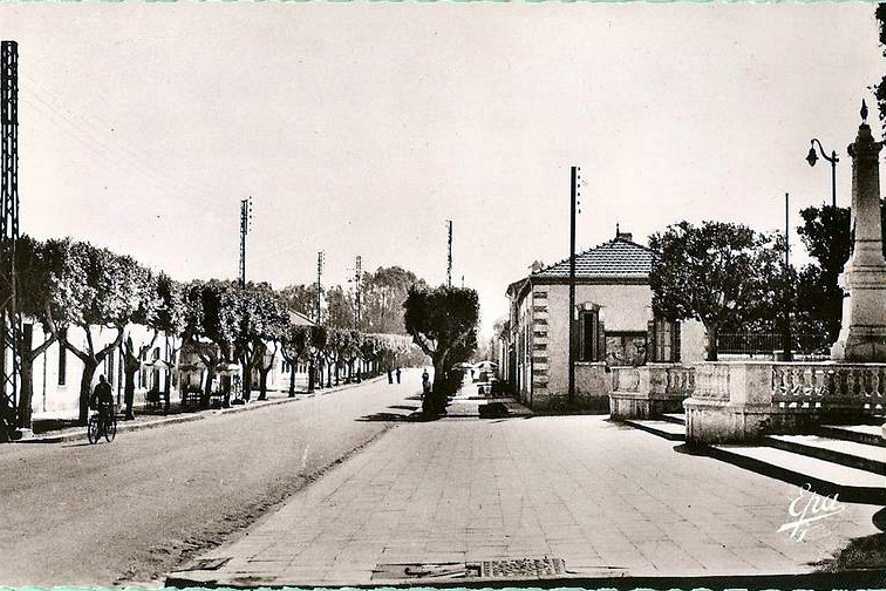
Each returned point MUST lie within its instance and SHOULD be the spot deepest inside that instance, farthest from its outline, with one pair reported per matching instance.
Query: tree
(880, 88)
(319, 343)
(370, 347)
(171, 319)
(101, 290)
(145, 314)
(383, 295)
(443, 323)
(339, 308)
(337, 346)
(301, 298)
(351, 352)
(35, 264)
(295, 347)
(211, 323)
(725, 275)
(262, 318)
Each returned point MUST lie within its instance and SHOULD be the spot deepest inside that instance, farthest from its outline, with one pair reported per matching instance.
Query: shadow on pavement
(387, 417)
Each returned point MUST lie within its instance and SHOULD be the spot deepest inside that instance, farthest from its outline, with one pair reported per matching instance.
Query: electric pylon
(10, 320)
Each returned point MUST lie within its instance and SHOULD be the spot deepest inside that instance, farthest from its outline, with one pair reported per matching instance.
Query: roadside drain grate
(523, 567)
(512, 567)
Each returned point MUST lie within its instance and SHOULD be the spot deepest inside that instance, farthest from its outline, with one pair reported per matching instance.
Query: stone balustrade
(743, 401)
(649, 390)
(859, 387)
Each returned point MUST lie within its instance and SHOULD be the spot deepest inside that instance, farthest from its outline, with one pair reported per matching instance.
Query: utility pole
(358, 275)
(321, 259)
(572, 336)
(10, 319)
(449, 257)
(786, 335)
(245, 226)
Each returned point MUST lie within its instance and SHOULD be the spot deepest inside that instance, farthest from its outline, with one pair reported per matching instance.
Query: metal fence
(765, 344)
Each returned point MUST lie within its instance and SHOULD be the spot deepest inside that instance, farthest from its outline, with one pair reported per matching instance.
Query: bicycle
(102, 424)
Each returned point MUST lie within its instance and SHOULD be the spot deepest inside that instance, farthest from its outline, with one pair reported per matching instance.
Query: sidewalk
(441, 501)
(152, 419)
(467, 402)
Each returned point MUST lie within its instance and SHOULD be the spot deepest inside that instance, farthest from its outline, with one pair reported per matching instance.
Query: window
(590, 335)
(109, 367)
(664, 341)
(62, 364)
(142, 373)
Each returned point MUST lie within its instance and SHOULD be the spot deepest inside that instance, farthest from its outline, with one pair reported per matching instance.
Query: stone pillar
(863, 333)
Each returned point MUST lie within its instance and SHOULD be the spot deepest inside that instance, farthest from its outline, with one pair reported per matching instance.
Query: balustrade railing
(821, 386)
(711, 381)
(673, 380)
(626, 379)
(680, 380)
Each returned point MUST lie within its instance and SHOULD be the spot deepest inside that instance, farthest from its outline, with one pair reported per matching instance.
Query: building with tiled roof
(613, 320)
(620, 258)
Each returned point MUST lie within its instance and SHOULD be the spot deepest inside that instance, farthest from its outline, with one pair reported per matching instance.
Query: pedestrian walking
(398, 375)
(425, 383)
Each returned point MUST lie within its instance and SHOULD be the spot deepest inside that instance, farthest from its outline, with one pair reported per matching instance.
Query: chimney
(624, 236)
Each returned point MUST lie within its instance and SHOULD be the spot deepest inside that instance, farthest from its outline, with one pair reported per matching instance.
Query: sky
(360, 128)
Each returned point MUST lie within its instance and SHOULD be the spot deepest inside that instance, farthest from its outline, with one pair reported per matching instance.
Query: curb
(123, 426)
(848, 579)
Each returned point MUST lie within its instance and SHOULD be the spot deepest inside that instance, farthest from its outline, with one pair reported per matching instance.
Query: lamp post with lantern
(812, 158)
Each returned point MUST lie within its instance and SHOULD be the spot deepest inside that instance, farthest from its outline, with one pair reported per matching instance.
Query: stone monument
(863, 333)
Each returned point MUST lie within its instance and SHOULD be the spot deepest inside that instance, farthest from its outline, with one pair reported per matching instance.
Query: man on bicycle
(102, 398)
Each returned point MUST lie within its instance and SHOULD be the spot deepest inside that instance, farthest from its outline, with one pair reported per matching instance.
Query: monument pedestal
(864, 339)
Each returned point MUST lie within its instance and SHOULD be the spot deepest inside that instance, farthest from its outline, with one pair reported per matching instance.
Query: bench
(217, 399)
(191, 398)
(155, 400)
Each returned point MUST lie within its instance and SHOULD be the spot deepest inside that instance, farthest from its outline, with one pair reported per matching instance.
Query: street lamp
(812, 158)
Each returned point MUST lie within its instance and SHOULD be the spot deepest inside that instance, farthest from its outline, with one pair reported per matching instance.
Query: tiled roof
(299, 319)
(618, 258)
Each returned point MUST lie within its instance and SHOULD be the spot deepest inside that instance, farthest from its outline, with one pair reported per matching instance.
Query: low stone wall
(649, 390)
(743, 401)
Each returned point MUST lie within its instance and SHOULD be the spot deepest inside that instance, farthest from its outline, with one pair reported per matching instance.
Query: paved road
(610, 501)
(134, 509)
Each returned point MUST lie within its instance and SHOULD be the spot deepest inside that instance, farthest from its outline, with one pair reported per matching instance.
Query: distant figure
(398, 375)
(390, 376)
(425, 383)
(102, 398)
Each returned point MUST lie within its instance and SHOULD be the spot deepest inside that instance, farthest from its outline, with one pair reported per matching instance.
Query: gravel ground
(138, 507)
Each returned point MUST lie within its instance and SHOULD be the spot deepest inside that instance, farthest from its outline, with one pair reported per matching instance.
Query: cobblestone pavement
(606, 499)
